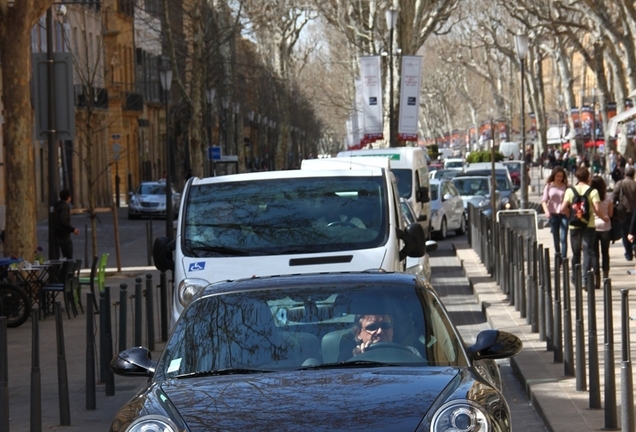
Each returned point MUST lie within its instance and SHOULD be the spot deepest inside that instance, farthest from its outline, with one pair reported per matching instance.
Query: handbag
(620, 211)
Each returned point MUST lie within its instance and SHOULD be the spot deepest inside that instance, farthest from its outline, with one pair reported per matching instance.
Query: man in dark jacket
(63, 227)
(625, 192)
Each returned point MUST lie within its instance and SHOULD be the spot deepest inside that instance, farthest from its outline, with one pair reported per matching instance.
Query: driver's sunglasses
(373, 327)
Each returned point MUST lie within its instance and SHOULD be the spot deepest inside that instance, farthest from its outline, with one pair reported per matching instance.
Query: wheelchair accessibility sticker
(196, 266)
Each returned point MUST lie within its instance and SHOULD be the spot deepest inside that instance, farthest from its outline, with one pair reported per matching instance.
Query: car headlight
(152, 423)
(188, 288)
(460, 416)
(134, 200)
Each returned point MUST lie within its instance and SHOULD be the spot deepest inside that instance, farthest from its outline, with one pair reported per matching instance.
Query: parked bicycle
(15, 303)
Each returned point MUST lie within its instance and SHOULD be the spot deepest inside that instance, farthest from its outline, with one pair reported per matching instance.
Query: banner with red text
(410, 98)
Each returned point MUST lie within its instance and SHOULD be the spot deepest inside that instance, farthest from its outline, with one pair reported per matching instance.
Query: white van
(411, 171)
(285, 222)
(508, 148)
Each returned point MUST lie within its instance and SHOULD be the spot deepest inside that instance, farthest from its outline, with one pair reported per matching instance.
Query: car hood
(378, 399)
(151, 198)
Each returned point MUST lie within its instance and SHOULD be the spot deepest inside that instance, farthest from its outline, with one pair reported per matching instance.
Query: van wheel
(443, 232)
(462, 227)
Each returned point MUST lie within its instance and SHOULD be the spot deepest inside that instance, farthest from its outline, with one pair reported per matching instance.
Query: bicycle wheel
(15, 304)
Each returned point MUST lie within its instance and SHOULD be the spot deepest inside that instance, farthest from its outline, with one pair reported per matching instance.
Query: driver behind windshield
(371, 329)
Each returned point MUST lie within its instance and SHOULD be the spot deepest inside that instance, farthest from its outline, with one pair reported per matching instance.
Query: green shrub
(483, 156)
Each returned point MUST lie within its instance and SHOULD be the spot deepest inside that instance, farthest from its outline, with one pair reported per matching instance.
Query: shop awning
(619, 119)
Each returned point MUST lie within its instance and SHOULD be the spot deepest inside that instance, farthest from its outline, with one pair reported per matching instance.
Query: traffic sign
(214, 153)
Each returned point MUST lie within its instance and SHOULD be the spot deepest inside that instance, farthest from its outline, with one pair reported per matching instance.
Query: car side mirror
(414, 241)
(162, 250)
(422, 194)
(495, 344)
(135, 361)
(447, 197)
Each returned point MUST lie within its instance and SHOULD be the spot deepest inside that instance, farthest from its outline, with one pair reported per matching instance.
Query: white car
(447, 209)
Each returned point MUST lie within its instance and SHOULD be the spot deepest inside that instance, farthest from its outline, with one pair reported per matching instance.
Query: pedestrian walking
(625, 193)
(63, 227)
(553, 192)
(603, 230)
(579, 202)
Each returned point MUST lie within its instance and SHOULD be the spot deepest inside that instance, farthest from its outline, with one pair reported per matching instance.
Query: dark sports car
(368, 351)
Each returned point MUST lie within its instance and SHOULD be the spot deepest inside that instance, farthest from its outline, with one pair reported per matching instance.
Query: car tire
(462, 227)
(443, 229)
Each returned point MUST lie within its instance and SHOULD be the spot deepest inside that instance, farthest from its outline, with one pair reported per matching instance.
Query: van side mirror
(162, 250)
(422, 194)
(414, 241)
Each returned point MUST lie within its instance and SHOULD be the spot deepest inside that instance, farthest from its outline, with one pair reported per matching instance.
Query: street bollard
(164, 306)
(110, 377)
(611, 418)
(36, 377)
(557, 335)
(568, 346)
(91, 391)
(522, 280)
(4, 377)
(148, 244)
(123, 317)
(534, 304)
(592, 341)
(150, 316)
(103, 359)
(627, 380)
(549, 314)
(62, 373)
(541, 295)
(138, 311)
(579, 333)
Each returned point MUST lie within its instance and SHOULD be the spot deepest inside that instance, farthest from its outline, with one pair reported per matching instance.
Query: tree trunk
(20, 173)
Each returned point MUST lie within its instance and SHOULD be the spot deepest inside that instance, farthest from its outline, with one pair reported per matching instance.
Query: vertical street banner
(410, 98)
(371, 97)
(358, 133)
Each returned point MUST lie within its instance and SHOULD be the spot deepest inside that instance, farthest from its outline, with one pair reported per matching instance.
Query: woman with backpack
(603, 229)
(553, 192)
(580, 203)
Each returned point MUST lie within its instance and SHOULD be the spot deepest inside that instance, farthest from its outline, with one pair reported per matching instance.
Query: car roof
(482, 173)
(371, 276)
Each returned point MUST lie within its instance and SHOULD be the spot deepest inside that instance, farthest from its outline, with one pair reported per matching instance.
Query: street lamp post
(250, 165)
(165, 76)
(237, 108)
(226, 104)
(210, 94)
(521, 44)
(391, 20)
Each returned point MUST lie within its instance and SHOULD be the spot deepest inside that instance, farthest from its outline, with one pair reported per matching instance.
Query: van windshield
(273, 217)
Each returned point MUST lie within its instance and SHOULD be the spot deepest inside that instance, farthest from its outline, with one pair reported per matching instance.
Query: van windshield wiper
(223, 250)
(220, 372)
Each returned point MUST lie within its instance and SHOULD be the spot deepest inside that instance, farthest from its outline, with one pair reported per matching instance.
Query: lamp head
(391, 16)
(521, 45)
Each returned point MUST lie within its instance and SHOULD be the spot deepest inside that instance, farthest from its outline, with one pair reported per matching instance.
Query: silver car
(476, 191)
(447, 209)
(149, 200)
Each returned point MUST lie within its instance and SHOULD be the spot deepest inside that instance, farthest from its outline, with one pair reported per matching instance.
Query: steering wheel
(342, 223)
(383, 345)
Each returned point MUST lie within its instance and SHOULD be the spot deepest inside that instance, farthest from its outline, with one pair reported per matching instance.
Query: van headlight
(460, 416)
(188, 288)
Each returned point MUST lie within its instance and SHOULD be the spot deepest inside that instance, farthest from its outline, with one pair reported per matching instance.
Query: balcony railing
(133, 102)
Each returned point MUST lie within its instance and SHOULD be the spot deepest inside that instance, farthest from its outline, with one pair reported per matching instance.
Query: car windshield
(151, 189)
(403, 178)
(514, 167)
(301, 326)
(454, 164)
(471, 186)
(274, 217)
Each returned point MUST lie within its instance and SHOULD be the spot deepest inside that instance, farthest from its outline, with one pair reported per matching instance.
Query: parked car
(335, 351)
(509, 199)
(149, 199)
(416, 265)
(443, 173)
(475, 190)
(447, 209)
(454, 163)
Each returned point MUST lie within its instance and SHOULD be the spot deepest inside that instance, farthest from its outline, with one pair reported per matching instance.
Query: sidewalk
(553, 395)
(134, 263)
